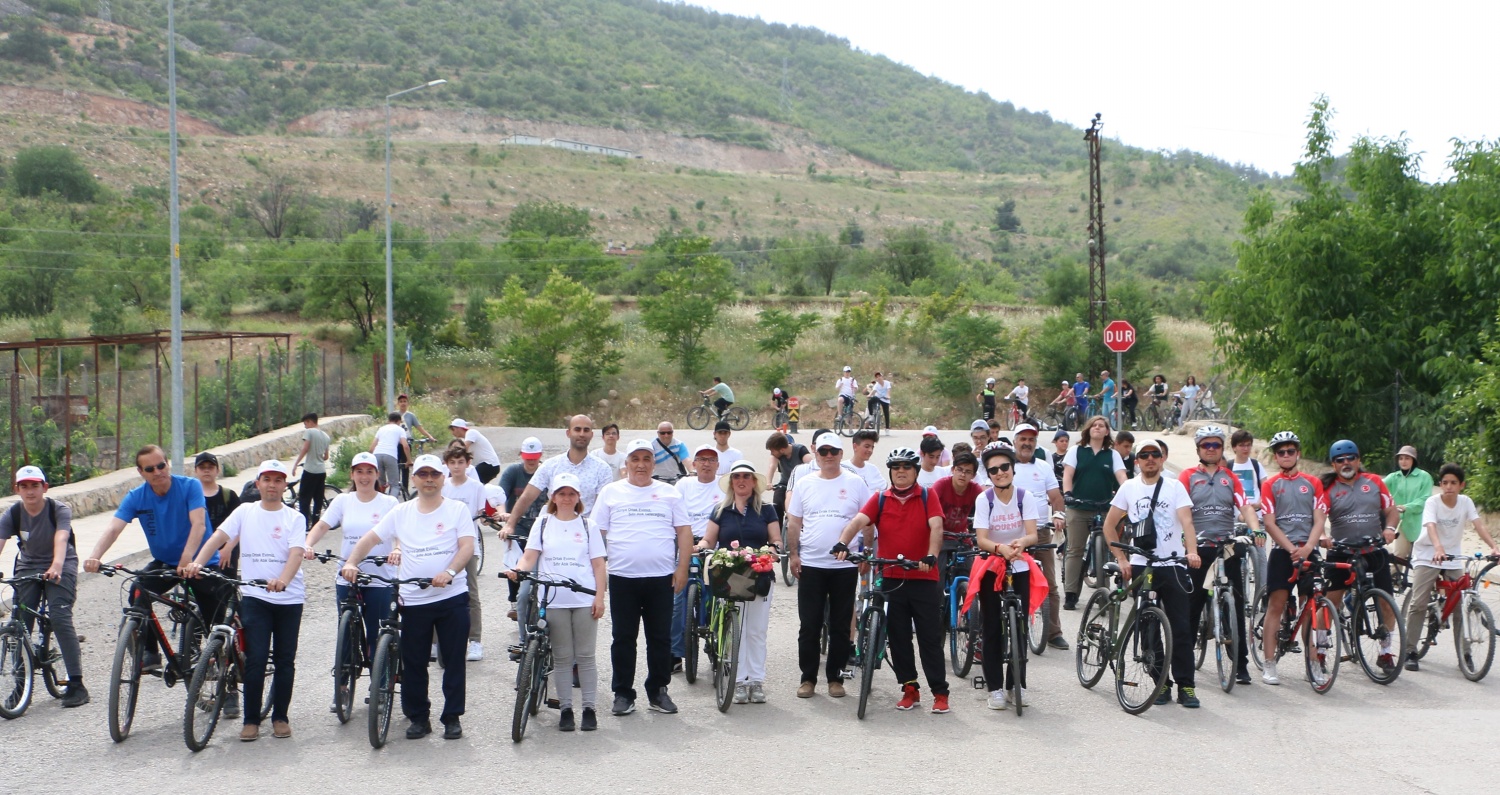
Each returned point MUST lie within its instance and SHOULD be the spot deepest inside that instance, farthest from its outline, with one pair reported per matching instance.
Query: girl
(1128, 401)
(742, 517)
(1092, 472)
(1004, 524)
(1189, 394)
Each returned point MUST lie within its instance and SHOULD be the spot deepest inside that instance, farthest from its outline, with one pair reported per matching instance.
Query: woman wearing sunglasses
(1005, 520)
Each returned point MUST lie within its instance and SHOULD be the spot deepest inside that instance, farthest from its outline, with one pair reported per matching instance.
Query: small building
(522, 140)
(593, 149)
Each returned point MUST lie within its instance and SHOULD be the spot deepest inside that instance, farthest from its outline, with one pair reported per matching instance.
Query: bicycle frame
(178, 666)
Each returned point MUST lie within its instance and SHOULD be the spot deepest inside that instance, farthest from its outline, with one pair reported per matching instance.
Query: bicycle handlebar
(1323, 564)
(1475, 556)
(217, 575)
(420, 582)
(1148, 555)
(328, 555)
(1087, 505)
(1358, 546)
(899, 560)
(555, 582)
(110, 570)
(13, 581)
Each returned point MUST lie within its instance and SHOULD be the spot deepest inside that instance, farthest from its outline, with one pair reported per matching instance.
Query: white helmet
(1208, 431)
(989, 382)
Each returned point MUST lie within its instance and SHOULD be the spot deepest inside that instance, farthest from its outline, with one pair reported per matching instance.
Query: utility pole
(1098, 297)
(178, 456)
(786, 90)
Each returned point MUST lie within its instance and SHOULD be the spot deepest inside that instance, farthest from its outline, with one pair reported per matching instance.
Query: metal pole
(324, 379)
(195, 407)
(177, 456)
(67, 429)
(159, 432)
(1119, 376)
(1396, 417)
(119, 413)
(228, 378)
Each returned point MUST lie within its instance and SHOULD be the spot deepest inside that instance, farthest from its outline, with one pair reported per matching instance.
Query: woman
(1189, 395)
(1092, 471)
(1410, 487)
(742, 518)
(1004, 525)
(1129, 400)
(564, 544)
(1158, 393)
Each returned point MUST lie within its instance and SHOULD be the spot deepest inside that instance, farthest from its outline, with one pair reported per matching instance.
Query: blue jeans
(267, 625)
(1107, 408)
(377, 608)
(679, 624)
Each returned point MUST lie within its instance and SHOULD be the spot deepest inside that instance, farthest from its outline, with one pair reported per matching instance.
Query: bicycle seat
(1112, 568)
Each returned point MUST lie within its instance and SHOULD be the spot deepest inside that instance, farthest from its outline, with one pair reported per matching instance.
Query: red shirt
(957, 508)
(904, 530)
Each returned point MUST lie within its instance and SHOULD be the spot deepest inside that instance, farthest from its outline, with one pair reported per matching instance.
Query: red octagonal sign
(1119, 336)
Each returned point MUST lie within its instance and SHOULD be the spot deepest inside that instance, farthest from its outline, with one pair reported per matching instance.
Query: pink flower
(734, 545)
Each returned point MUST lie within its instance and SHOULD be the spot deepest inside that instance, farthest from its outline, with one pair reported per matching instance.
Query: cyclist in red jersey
(1360, 508)
(1295, 512)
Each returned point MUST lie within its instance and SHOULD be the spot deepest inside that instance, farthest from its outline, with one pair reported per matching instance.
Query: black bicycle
(350, 655)
(697, 602)
(220, 670)
(385, 668)
(699, 417)
(536, 649)
(21, 653)
(1217, 626)
(871, 636)
(1366, 611)
(140, 623)
(289, 497)
(1014, 627)
(1138, 646)
(1095, 553)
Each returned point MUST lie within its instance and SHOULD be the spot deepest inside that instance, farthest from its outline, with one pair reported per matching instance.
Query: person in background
(700, 495)
(459, 486)
(1410, 487)
(218, 503)
(930, 472)
(786, 456)
(879, 392)
(1081, 394)
(486, 460)
(728, 456)
(864, 442)
(1125, 446)
(513, 483)
(1064, 399)
(611, 454)
(979, 434)
(314, 461)
(1189, 394)
(1021, 396)
(723, 396)
(1129, 401)
(931, 432)
(846, 386)
(1036, 478)
(1444, 517)
(1060, 443)
(986, 400)
(388, 446)
(1107, 395)
(414, 432)
(1246, 467)
(741, 519)
(668, 453)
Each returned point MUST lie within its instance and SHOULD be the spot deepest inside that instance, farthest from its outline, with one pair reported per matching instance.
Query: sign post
(1119, 336)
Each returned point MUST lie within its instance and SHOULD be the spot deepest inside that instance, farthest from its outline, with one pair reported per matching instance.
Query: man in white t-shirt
(436, 536)
(1021, 394)
(817, 511)
(879, 392)
(645, 524)
(1038, 479)
(469, 491)
(863, 449)
(610, 453)
(1166, 501)
(930, 472)
(727, 455)
(486, 460)
(389, 446)
(700, 495)
(593, 473)
(1444, 517)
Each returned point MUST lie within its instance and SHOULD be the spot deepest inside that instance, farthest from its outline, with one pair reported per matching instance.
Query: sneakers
(1057, 642)
(1411, 664)
(590, 720)
(661, 702)
(150, 662)
(476, 651)
(742, 693)
(453, 730)
(1164, 697)
(1070, 602)
(280, 729)
(565, 722)
(1268, 674)
(1242, 677)
(676, 665)
(250, 733)
(910, 697)
(418, 729)
(75, 696)
(758, 693)
(998, 699)
(835, 690)
(1188, 697)
(624, 705)
(806, 689)
(1387, 662)
(232, 705)
(940, 704)
(1025, 702)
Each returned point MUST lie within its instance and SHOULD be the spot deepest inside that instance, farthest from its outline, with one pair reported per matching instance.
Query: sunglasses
(903, 466)
(998, 468)
(1145, 454)
(828, 451)
(742, 476)
(1286, 451)
(1344, 459)
(427, 474)
(663, 433)
(1212, 446)
(158, 467)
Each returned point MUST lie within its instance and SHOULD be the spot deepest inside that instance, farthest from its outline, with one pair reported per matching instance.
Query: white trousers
(757, 623)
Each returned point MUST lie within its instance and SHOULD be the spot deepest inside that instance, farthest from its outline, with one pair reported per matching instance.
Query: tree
(346, 282)
(30, 44)
(275, 206)
(689, 303)
(852, 235)
(39, 169)
(909, 254)
(777, 330)
(1065, 283)
(972, 344)
(1006, 219)
(1060, 348)
(563, 320)
(551, 220)
(421, 302)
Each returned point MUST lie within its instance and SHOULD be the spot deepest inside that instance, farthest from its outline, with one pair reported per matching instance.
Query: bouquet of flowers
(741, 573)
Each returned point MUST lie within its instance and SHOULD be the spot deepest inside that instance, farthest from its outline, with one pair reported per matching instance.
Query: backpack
(1020, 500)
(880, 505)
(15, 519)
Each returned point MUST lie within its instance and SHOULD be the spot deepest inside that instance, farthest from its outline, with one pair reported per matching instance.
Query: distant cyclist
(847, 387)
(1021, 395)
(986, 399)
(725, 395)
(779, 399)
(1081, 394)
(879, 392)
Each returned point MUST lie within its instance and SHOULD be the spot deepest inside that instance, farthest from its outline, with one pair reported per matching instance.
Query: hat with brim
(364, 458)
(726, 481)
(1158, 444)
(428, 461)
(706, 448)
(30, 474)
(1408, 450)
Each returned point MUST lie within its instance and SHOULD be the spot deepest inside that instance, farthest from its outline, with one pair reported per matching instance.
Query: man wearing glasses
(668, 454)
(1360, 507)
(1296, 510)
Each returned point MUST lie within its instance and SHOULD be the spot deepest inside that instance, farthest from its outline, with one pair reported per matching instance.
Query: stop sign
(1119, 336)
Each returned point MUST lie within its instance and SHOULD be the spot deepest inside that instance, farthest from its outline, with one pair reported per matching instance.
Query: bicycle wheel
(822, 633)
(384, 672)
(1094, 558)
(738, 418)
(1204, 634)
(1037, 626)
(49, 659)
(964, 639)
(539, 676)
(1374, 645)
(479, 550)
(15, 673)
(205, 696)
(1143, 659)
(1016, 648)
(697, 419)
(1255, 627)
(525, 681)
(1095, 643)
(125, 679)
(786, 571)
(1432, 624)
(780, 420)
(1475, 638)
(1226, 637)
(1254, 572)
(289, 497)
(346, 664)
(872, 637)
(690, 633)
(1322, 645)
(958, 625)
(728, 668)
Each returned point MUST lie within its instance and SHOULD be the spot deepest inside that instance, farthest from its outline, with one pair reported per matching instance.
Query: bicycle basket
(738, 586)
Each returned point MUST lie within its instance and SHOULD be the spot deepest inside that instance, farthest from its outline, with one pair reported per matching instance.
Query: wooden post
(119, 415)
(260, 391)
(67, 429)
(228, 378)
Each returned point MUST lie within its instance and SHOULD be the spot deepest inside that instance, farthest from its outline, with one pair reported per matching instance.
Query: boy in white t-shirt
(1444, 517)
(469, 491)
(271, 537)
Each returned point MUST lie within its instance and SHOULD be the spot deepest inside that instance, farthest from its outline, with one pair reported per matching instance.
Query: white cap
(566, 480)
(638, 444)
(930, 430)
(364, 458)
(979, 425)
(428, 461)
(458, 423)
(531, 449)
(1024, 427)
(705, 448)
(273, 466)
(848, 369)
(989, 380)
(30, 474)
(828, 440)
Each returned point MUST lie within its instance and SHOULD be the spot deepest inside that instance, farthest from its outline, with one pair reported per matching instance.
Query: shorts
(1279, 574)
(1377, 563)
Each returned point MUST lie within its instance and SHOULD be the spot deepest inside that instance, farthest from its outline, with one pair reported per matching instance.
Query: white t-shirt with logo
(266, 540)
(872, 475)
(568, 549)
(1134, 498)
(1005, 522)
(641, 524)
(1037, 478)
(1450, 529)
(847, 385)
(388, 440)
(428, 543)
(353, 519)
(925, 479)
(699, 499)
(825, 506)
(728, 458)
(471, 493)
(480, 448)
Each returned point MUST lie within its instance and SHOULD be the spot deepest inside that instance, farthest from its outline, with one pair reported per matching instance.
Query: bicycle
(21, 655)
(1317, 622)
(698, 417)
(1014, 416)
(1476, 623)
(963, 630)
(350, 655)
(1095, 554)
(846, 420)
(781, 419)
(385, 668)
(1013, 631)
(536, 649)
(871, 636)
(140, 620)
(1364, 622)
(219, 670)
(697, 616)
(289, 497)
(1138, 648)
(1217, 625)
(482, 521)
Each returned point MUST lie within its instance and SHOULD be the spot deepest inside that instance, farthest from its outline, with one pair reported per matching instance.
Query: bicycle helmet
(902, 455)
(1342, 447)
(1285, 437)
(997, 448)
(989, 382)
(1209, 431)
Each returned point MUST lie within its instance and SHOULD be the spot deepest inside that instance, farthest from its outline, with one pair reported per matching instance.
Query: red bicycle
(1474, 635)
(1317, 623)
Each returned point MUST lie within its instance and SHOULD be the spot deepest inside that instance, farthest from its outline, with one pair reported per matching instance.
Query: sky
(1233, 80)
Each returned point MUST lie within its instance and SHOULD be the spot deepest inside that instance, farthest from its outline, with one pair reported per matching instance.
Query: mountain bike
(21, 653)
(482, 521)
(1317, 622)
(289, 498)
(1218, 625)
(871, 635)
(1013, 632)
(847, 421)
(1138, 647)
(699, 417)
(536, 646)
(1013, 416)
(1474, 632)
(385, 668)
(962, 629)
(350, 655)
(781, 419)
(1095, 554)
(697, 604)
(1366, 610)
(140, 624)
(220, 670)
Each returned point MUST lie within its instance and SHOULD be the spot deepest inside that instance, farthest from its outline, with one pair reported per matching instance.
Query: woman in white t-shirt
(564, 544)
(272, 537)
(1189, 394)
(1005, 520)
(1444, 517)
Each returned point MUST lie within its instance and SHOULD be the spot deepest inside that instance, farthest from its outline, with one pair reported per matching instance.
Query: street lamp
(390, 326)
(178, 458)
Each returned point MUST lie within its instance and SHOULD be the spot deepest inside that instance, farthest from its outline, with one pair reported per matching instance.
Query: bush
(40, 169)
(863, 323)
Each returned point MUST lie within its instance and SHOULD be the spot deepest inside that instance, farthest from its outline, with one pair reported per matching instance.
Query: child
(1443, 520)
(469, 491)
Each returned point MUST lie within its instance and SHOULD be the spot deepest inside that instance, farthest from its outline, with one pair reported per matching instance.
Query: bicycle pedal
(979, 683)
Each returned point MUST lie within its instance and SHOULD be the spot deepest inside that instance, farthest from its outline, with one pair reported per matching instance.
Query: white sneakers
(1025, 702)
(999, 700)
(1268, 674)
(476, 651)
(742, 693)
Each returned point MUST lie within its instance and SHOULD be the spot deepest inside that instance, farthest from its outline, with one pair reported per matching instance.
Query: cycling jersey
(1217, 497)
(1357, 509)
(1291, 500)
(988, 398)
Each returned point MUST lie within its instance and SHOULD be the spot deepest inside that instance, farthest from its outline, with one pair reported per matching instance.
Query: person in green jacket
(1409, 487)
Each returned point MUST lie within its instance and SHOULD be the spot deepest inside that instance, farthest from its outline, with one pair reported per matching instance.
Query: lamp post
(390, 300)
(177, 456)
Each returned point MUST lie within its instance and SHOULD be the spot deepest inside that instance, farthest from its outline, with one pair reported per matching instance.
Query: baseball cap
(1061, 434)
(428, 461)
(364, 458)
(705, 448)
(273, 467)
(1024, 427)
(848, 369)
(930, 430)
(1156, 443)
(638, 444)
(979, 425)
(30, 474)
(722, 425)
(828, 440)
(458, 423)
(566, 480)
(205, 457)
(531, 449)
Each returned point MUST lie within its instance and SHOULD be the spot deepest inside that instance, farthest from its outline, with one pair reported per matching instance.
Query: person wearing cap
(979, 435)
(650, 542)
(741, 520)
(469, 491)
(1036, 478)
(724, 396)
(986, 401)
(1091, 473)
(314, 461)
(486, 461)
(513, 483)
(1020, 394)
(728, 456)
(436, 536)
(46, 547)
(1410, 487)
(610, 453)
(932, 453)
(355, 513)
(817, 512)
(389, 447)
(879, 393)
(847, 387)
(931, 432)
(700, 495)
(668, 453)
(272, 538)
(1361, 512)
(218, 503)
(565, 544)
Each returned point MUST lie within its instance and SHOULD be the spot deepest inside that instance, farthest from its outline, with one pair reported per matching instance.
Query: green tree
(1060, 348)
(30, 44)
(777, 330)
(972, 345)
(1006, 219)
(689, 303)
(863, 322)
(478, 324)
(422, 303)
(346, 282)
(909, 255)
(550, 220)
(39, 169)
(1065, 283)
(563, 330)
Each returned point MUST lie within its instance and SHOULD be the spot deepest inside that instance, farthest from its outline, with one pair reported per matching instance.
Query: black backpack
(15, 519)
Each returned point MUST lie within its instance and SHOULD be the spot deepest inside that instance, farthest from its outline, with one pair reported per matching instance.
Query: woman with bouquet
(745, 525)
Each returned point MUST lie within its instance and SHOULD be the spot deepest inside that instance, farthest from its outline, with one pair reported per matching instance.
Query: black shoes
(590, 720)
(677, 665)
(662, 703)
(1242, 677)
(1070, 602)
(1058, 643)
(75, 696)
(624, 705)
(565, 723)
(417, 731)
(452, 730)
(1411, 664)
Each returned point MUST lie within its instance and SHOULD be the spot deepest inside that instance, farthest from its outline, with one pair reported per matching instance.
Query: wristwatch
(452, 573)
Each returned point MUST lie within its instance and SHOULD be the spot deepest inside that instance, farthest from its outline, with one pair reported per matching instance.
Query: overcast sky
(1234, 80)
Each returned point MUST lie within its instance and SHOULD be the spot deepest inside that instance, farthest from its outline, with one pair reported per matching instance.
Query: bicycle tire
(16, 668)
(1036, 630)
(1432, 625)
(966, 642)
(1017, 650)
(540, 675)
(268, 691)
(1254, 573)
(690, 634)
(786, 571)
(781, 419)
(728, 667)
(521, 712)
(1369, 633)
(871, 637)
(824, 632)
(957, 624)
(1475, 630)
(1255, 628)
(384, 671)
(1204, 635)
(346, 664)
(125, 679)
(1321, 658)
(1226, 638)
(191, 633)
(1094, 558)
(1138, 645)
(1095, 645)
(478, 551)
(738, 418)
(200, 715)
(697, 418)
(48, 660)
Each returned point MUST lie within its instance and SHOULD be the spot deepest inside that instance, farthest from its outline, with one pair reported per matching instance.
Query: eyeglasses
(741, 476)
(158, 467)
(427, 474)
(1344, 459)
(706, 459)
(998, 468)
(903, 466)
(1211, 446)
(1286, 451)
(829, 451)
(1145, 454)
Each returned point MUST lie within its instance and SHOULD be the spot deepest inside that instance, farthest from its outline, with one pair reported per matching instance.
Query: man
(910, 522)
(389, 447)
(1217, 496)
(469, 491)
(1035, 477)
(650, 542)
(486, 461)
(1107, 395)
(46, 547)
(436, 537)
(171, 513)
(979, 435)
(218, 504)
(1361, 512)
(413, 428)
(700, 495)
(610, 454)
(1246, 468)
(314, 460)
(513, 483)
(863, 448)
(1295, 512)
(957, 493)
(728, 456)
(668, 454)
(785, 458)
(932, 453)
(817, 513)
(847, 386)
(1125, 446)
(931, 432)
(593, 475)
(725, 395)
(880, 399)
(1021, 394)
(1168, 505)
(986, 401)
(1410, 486)
(1081, 396)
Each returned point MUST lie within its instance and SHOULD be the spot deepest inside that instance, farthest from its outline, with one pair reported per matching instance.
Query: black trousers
(817, 589)
(634, 601)
(720, 404)
(997, 674)
(269, 627)
(1234, 567)
(449, 618)
(1171, 584)
(916, 604)
(310, 495)
(486, 472)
